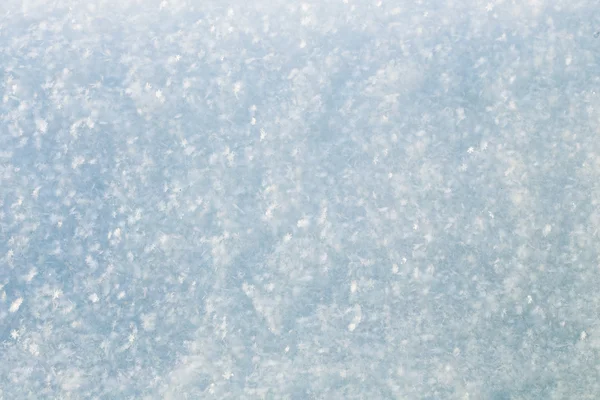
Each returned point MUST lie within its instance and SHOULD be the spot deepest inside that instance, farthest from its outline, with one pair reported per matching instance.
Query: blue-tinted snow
(361, 199)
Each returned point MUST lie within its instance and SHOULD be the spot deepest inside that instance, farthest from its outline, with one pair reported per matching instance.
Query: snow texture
(277, 199)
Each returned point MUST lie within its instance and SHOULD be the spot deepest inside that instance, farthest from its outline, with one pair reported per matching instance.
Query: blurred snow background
(272, 199)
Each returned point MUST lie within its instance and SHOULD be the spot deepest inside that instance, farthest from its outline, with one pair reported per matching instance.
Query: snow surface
(274, 199)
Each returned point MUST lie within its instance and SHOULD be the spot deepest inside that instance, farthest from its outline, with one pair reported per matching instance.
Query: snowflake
(230, 158)
(227, 375)
(14, 307)
(237, 87)
(547, 230)
(42, 126)
(303, 223)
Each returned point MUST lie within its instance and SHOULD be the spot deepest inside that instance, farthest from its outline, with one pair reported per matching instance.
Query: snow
(326, 199)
